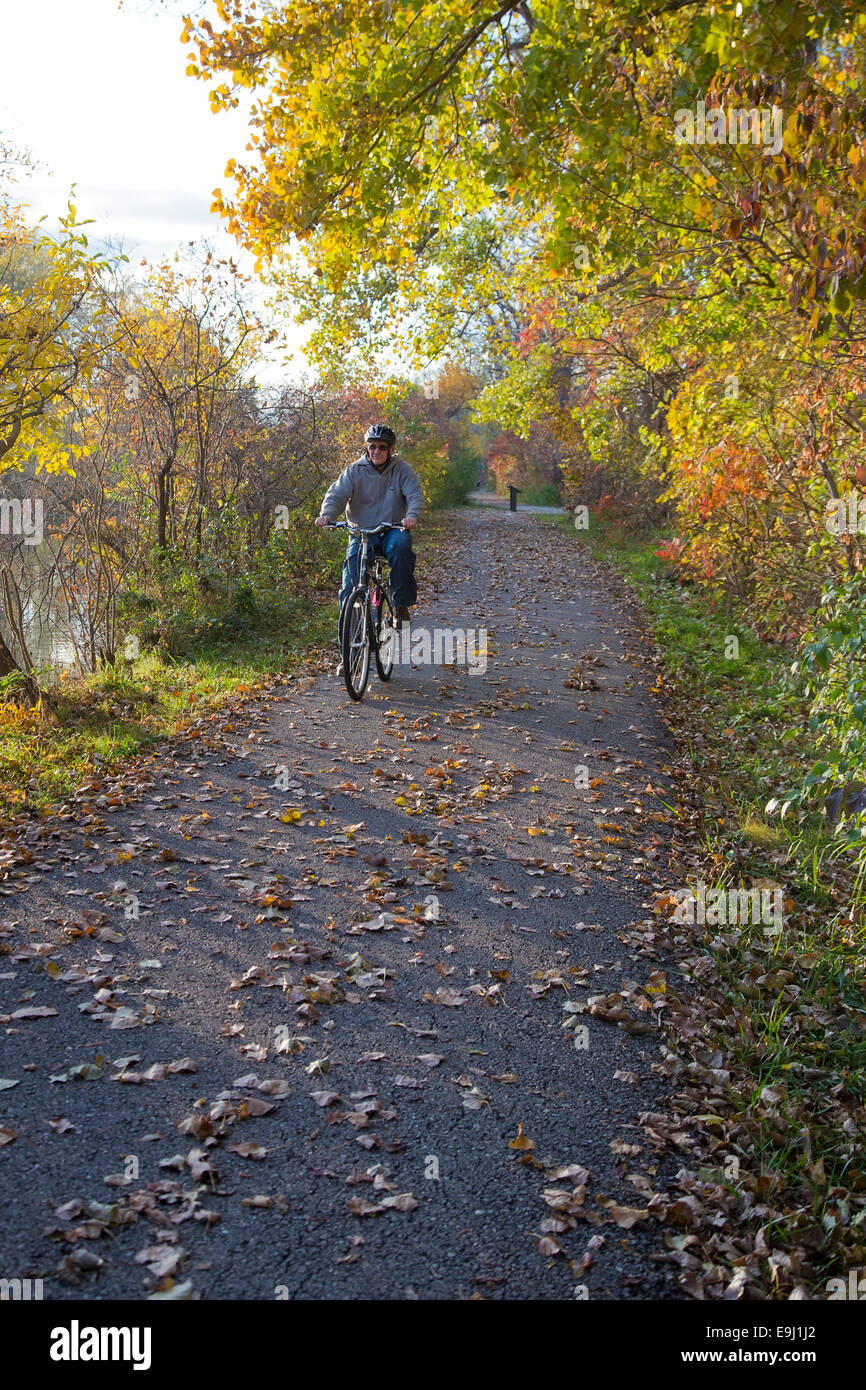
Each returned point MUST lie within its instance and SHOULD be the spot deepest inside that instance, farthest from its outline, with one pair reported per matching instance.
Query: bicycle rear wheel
(385, 638)
(355, 644)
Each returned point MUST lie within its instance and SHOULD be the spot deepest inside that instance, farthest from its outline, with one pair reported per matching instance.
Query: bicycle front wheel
(356, 645)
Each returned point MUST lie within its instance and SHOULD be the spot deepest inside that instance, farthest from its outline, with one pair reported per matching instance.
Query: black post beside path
(512, 500)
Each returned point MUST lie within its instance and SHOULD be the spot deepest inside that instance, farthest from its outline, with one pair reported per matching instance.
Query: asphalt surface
(337, 914)
(492, 499)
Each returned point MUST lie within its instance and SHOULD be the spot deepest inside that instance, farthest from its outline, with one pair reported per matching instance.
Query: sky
(100, 96)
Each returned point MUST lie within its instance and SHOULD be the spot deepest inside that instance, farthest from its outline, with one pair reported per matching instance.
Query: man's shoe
(403, 615)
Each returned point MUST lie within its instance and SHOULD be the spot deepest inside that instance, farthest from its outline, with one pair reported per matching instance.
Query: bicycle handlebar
(360, 531)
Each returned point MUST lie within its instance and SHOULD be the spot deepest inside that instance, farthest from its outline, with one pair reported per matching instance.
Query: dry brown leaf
(446, 997)
(626, 1217)
(248, 1150)
(276, 1087)
(324, 1098)
(575, 1171)
(359, 1206)
(401, 1201)
(61, 1125)
(548, 1245)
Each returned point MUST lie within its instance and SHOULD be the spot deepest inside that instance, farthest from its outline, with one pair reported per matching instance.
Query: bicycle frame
(371, 593)
(370, 574)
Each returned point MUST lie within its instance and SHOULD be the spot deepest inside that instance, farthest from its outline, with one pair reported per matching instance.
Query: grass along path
(94, 724)
(770, 1048)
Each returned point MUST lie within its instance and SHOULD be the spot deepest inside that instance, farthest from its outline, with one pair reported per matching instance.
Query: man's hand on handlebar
(406, 524)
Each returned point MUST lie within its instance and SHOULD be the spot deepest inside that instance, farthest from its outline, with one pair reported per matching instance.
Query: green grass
(94, 724)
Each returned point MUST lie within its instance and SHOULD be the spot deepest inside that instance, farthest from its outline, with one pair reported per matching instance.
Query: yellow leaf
(522, 1142)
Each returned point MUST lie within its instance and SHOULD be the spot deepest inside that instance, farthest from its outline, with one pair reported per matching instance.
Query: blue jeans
(396, 546)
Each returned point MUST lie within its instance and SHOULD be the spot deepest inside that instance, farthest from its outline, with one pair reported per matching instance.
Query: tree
(50, 304)
(412, 148)
(50, 301)
(182, 343)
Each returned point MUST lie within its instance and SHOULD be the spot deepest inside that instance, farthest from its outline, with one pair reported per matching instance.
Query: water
(45, 620)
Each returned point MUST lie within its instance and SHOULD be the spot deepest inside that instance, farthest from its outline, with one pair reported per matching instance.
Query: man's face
(378, 454)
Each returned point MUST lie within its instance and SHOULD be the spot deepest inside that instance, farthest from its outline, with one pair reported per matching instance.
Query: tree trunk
(162, 502)
(8, 664)
(12, 437)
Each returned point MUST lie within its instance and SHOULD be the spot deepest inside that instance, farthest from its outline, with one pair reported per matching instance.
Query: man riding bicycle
(379, 488)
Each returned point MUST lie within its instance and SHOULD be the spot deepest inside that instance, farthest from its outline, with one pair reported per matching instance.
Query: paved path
(492, 499)
(369, 968)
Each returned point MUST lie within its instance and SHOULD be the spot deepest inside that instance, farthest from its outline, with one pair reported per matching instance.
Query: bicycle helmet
(382, 433)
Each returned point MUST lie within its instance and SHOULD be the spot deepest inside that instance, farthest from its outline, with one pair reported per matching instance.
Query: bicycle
(367, 617)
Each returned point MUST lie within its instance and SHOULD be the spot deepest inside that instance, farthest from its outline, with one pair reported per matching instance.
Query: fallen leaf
(324, 1098)
(547, 1245)
(161, 1260)
(69, 1210)
(446, 997)
(575, 1171)
(173, 1293)
(626, 1217)
(276, 1087)
(522, 1141)
(401, 1201)
(359, 1206)
(176, 1162)
(476, 1100)
(256, 1107)
(61, 1125)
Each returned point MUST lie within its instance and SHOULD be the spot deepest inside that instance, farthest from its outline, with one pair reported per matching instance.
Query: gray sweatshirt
(372, 498)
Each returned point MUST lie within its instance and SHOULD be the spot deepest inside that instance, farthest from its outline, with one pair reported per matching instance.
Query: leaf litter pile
(372, 937)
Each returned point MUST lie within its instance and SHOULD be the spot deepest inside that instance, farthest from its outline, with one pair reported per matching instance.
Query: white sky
(100, 96)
